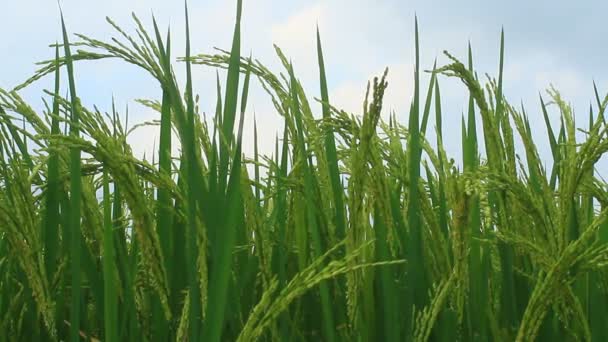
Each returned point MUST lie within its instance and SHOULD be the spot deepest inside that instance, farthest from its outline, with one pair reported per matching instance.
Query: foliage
(354, 229)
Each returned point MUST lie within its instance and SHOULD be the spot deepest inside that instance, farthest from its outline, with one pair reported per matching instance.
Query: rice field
(355, 228)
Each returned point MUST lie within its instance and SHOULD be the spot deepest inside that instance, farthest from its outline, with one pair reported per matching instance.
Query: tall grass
(355, 229)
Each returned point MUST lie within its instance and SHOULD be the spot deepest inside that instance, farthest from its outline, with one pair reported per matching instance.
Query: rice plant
(354, 229)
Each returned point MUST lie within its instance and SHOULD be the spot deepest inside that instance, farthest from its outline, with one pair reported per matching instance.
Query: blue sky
(547, 42)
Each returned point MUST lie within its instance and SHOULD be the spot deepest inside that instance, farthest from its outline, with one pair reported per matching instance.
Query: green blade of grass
(477, 301)
(499, 100)
(330, 148)
(222, 255)
(218, 288)
(281, 222)
(387, 280)
(109, 267)
(52, 193)
(164, 202)
(192, 247)
(416, 277)
(75, 195)
(443, 218)
(311, 220)
(164, 216)
(429, 97)
(231, 99)
(256, 159)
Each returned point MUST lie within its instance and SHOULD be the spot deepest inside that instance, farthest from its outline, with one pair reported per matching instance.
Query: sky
(554, 42)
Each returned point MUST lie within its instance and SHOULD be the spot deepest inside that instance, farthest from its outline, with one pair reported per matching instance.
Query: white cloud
(296, 35)
(360, 38)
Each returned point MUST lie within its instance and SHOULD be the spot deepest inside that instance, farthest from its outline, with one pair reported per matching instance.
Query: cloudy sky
(547, 42)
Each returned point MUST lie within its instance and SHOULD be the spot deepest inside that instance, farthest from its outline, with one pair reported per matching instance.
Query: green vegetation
(354, 229)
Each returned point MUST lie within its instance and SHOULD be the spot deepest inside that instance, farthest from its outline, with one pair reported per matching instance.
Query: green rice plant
(356, 228)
